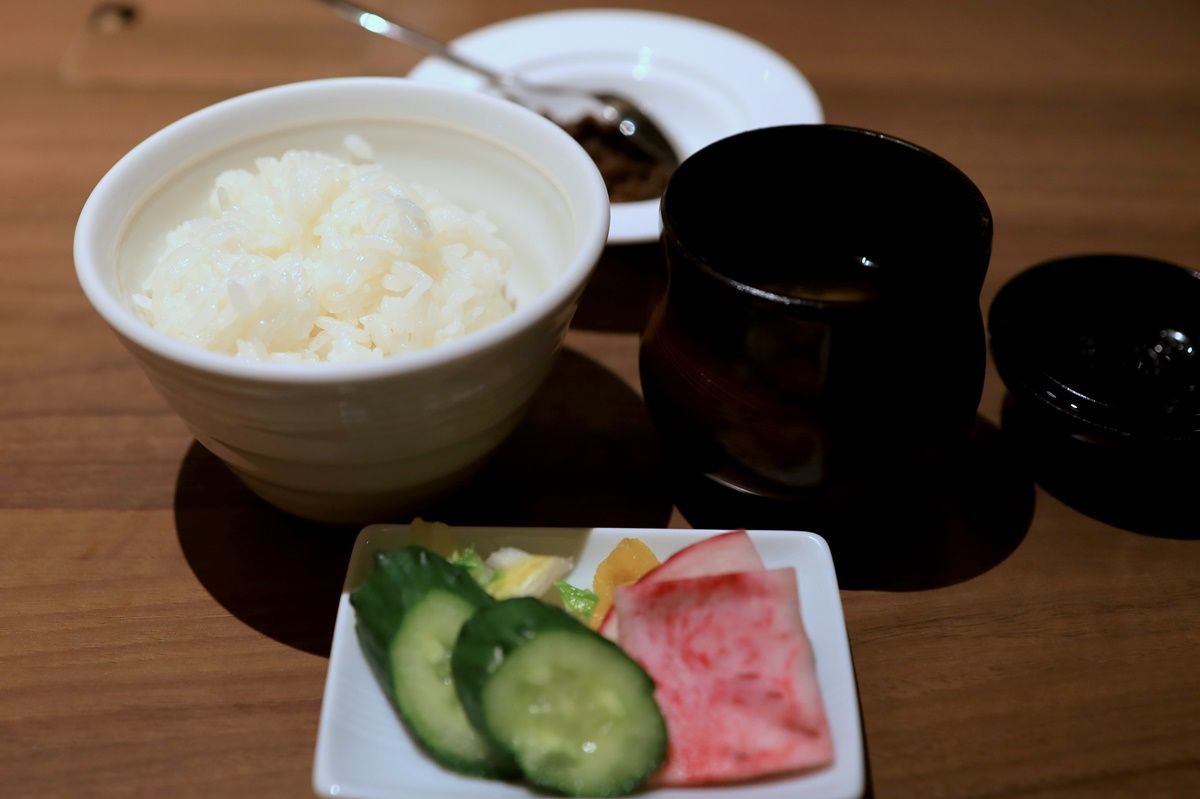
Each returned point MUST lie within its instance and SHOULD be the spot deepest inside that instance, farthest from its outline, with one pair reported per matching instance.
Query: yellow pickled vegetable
(519, 573)
(435, 536)
(626, 564)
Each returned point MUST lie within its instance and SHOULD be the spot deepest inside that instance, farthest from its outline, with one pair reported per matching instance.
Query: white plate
(363, 751)
(699, 81)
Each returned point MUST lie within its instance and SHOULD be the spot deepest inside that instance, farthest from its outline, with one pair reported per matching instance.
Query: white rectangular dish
(364, 752)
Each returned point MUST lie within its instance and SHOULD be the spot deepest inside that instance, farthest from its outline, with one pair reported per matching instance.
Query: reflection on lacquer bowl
(355, 441)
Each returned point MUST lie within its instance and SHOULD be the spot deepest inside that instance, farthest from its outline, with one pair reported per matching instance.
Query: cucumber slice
(409, 611)
(575, 712)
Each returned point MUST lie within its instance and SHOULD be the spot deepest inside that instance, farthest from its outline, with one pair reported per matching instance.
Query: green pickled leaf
(469, 559)
(579, 602)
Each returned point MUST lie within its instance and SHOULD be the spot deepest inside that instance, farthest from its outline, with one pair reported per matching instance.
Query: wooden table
(162, 633)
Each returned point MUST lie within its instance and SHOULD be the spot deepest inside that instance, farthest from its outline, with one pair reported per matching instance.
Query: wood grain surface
(164, 634)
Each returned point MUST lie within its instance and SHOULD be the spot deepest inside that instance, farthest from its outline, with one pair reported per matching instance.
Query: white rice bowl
(363, 440)
(310, 258)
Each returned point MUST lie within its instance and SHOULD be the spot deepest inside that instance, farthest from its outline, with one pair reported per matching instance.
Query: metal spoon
(621, 113)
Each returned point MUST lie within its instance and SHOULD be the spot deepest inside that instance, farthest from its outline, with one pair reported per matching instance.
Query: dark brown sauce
(630, 174)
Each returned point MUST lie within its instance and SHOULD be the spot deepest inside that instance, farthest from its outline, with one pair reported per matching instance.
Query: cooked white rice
(311, 258)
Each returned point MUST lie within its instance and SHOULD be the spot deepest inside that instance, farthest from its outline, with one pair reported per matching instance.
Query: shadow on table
(277, 573)
(1154, 498)
(943, 528)
(627, 282)
(586, 455)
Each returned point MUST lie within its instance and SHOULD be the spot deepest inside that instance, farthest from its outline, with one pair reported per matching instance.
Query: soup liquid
(840, 279)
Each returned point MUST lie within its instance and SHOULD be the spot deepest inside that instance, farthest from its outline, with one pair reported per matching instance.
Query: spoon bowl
(563, 104)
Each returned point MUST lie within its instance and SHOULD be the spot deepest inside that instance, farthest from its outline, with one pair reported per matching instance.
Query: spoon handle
(377, 23)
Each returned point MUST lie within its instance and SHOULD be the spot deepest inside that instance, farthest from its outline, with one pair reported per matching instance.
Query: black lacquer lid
(1108, 346)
